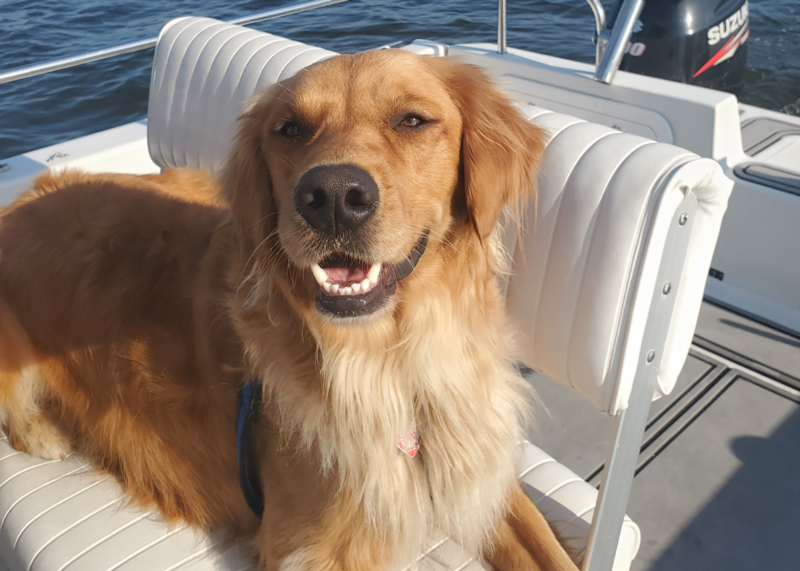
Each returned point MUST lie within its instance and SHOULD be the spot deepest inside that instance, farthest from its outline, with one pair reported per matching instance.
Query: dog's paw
(39, 438)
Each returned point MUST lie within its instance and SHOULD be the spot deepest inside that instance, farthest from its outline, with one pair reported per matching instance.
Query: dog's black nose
(335, 199)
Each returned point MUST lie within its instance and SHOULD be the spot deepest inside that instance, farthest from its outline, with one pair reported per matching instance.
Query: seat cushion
(61, 516)
(583, 279)
(204, 71)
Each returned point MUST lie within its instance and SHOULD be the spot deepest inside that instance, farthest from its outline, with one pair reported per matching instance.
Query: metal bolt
(667, 288)
(683, 218)
(650, 356)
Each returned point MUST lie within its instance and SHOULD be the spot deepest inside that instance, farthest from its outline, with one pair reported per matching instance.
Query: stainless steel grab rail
(611, 43)
(610, 54)
(72, 61)
(501, 27)
(600, 26)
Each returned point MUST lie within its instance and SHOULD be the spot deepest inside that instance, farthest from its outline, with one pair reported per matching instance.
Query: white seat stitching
(29, 468)
(104, 539)
(55, 505)
(68, 528)
(538, 464)
(146, 547)
(562, 484)
(36, 489)
(194, 555)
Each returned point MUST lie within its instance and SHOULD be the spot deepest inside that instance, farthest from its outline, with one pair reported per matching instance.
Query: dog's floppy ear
(246, 181)
(500, 149)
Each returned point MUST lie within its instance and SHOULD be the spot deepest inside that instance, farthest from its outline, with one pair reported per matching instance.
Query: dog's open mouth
(349, 287)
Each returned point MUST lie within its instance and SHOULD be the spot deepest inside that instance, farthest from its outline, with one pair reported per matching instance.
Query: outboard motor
(701, 42)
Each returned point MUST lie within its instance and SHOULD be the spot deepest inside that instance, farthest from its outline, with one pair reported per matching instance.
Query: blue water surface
(59, 106)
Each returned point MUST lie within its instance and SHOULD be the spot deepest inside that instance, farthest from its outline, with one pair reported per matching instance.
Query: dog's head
(350, 172)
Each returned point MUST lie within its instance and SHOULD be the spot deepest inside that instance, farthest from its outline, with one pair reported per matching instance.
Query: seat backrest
(204, 71)
(584, 270)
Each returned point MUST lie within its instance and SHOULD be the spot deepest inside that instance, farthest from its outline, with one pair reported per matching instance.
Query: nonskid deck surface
(717, 486)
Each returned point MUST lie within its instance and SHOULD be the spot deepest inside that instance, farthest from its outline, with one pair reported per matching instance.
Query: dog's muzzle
(350, 288)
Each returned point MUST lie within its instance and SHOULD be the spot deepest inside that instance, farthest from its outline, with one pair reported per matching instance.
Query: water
(44, 110)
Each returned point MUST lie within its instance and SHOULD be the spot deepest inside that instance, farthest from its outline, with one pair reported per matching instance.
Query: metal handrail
(600, 26)
(613, 51)
(72, 61)
(501, 27)
(611, 43)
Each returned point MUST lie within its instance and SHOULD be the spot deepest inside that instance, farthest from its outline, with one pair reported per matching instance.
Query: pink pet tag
(409, 443)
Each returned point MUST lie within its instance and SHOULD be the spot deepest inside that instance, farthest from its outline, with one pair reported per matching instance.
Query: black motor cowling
(701, 42)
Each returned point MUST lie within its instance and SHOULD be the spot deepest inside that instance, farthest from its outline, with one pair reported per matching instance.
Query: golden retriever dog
(347, 264)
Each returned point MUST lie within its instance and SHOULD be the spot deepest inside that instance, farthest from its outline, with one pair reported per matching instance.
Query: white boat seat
(582, 282)
(56, 517)
(203, 72)
(61, 516)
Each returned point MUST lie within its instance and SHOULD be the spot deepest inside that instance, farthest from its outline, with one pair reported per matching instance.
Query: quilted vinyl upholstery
(60, 516)
(204, 71)
(579, 291)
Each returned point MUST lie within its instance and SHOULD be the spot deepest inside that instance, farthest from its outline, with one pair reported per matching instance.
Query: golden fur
(133, 308)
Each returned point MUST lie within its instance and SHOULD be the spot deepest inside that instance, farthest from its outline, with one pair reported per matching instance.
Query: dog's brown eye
(291, 130)
(411, 121)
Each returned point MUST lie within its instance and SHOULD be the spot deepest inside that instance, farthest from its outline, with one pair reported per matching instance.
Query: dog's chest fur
(441, 365)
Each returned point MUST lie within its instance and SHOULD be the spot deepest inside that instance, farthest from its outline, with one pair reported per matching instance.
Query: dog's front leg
(524, 541)
(341, 541)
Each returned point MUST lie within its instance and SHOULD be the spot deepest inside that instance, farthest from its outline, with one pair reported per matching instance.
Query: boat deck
(716, 486)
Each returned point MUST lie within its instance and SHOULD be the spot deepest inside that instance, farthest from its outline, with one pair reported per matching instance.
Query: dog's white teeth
(357, 288)
(319, 274)
(373, 273)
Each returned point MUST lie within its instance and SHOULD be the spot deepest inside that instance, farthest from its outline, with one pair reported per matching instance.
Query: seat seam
(562, 484)
(575, 516)
(29, 468)
(68, 528)
(168, 105)
(183, 97)
(14, 453)
(555, 224)
(53, 506)
(464, 565)
(36, 489)
(427, 552)
(291, 44)
(537, 465)
(288, 63)
(103, 540)
(593, 223)
(194, 556)
(146, 547)
(238, 33)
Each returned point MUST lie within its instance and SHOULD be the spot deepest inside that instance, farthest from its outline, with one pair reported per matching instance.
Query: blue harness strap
(246, 418)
